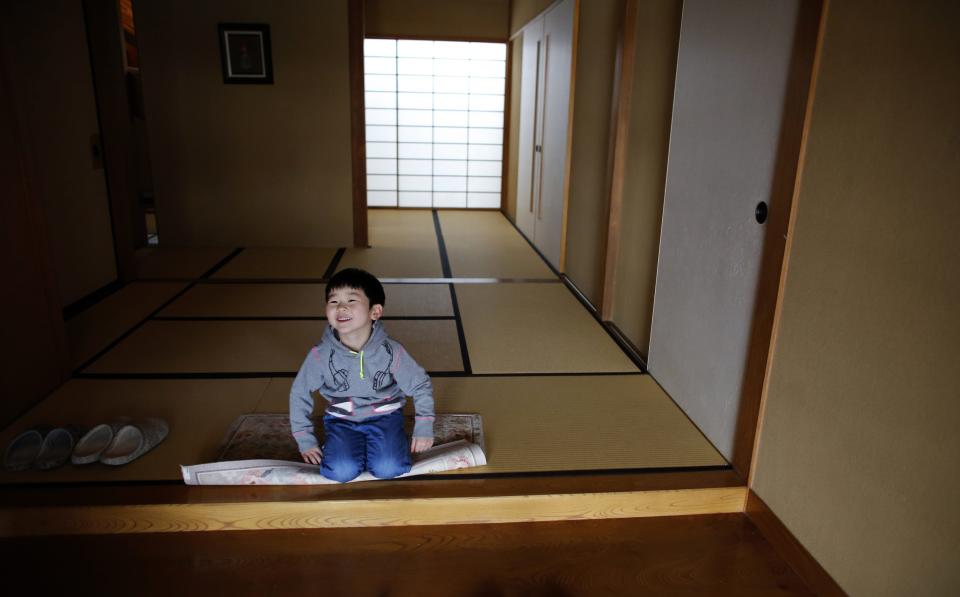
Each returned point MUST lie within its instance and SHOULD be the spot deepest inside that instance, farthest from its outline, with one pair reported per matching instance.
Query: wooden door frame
(799, 98)
(105, 41)
(358, 130)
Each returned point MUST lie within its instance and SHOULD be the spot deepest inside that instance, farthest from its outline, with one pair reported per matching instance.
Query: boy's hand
(419, 444)
(313, 455)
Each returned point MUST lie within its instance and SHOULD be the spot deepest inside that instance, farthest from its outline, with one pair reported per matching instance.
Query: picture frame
(245, 54)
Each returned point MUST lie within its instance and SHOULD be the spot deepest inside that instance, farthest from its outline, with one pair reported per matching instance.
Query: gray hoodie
(358, 385)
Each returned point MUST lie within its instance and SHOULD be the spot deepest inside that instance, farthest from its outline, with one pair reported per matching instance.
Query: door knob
(761, 212)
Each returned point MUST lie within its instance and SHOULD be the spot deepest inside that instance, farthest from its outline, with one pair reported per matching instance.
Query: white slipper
(57, 447)
(134, 440)
(92, 445)
(22, 452)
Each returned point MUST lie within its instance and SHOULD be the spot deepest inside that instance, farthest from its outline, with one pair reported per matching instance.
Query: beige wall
(248, 165)
(589, 191)
(657, 33)
(438, 19)
(524, 11)
(859, 447)
(49, 65)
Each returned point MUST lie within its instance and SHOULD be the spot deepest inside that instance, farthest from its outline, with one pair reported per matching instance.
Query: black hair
(358, 279)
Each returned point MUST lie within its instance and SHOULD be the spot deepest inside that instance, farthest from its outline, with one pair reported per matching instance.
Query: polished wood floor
(712, 555)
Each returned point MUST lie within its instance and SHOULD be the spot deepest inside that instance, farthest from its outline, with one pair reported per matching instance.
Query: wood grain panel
(621, 128)
(717, 555)
(173, 518)
(358, 131)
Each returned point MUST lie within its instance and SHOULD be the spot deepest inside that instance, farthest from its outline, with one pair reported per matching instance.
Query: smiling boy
(365, 377)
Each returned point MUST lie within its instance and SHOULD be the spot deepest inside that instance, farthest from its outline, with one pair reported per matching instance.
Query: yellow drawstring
(361, 361)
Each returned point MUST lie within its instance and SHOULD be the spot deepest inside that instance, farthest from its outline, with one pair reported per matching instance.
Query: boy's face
(349, 311)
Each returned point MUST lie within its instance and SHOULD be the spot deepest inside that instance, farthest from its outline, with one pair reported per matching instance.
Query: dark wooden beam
(358, 131)
(105, 38)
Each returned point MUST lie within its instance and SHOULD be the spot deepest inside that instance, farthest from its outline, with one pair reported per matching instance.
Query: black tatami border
(445, 263)
(79, 306)
(615, 334)
(447, 279)
(153, 313)
(292, 318)
(292, 374)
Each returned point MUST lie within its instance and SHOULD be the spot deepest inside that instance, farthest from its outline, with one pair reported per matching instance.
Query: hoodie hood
(378, 335)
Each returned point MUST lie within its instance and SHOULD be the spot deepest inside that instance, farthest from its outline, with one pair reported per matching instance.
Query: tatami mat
(564, 423)
(531, 423)
(301, 300)
(268, 263)
(403, 244)
(173, 263)
(198, 413)
(484, 244)
(577, 423)
(534, 328)
(259, 346)
(95, 328)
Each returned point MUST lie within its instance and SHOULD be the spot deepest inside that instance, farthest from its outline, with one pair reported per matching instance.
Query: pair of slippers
(46, 448)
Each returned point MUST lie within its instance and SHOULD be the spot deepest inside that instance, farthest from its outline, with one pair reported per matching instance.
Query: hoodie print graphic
(338, 377)
(382, 378)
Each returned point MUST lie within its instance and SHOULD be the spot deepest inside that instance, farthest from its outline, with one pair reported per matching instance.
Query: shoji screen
(434, 113)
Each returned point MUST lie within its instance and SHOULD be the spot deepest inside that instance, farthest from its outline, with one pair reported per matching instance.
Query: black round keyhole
(761, 212)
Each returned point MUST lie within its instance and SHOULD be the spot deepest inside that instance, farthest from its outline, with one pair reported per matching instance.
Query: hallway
(208, 335)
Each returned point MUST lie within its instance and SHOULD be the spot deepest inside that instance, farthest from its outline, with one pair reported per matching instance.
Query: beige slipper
(95, 441)
(134, 440)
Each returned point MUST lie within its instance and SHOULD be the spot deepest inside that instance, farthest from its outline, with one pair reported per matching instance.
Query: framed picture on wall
(245, 53)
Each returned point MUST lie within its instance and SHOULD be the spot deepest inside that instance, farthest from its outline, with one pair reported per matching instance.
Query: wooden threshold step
(106, 508)
(339, 513)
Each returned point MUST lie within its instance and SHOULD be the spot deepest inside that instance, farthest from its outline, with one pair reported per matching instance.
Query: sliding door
(728, 113)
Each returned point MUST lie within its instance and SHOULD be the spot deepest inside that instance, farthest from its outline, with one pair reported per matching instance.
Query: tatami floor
(206, 335)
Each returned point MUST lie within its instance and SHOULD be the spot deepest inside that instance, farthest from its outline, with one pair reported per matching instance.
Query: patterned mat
(267, 436)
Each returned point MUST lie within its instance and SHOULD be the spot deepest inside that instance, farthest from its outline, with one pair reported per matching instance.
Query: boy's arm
(310, 377)
(415, 382)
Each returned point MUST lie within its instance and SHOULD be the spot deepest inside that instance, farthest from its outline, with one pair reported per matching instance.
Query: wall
(524, 11)
(858, 449)
(438, 19)
(589, 191)
(657, 34)
(52, 90)
(33, 358)
(248, 165)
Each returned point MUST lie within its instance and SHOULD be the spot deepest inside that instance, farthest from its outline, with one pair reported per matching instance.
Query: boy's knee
(341, 470)
(388, 467)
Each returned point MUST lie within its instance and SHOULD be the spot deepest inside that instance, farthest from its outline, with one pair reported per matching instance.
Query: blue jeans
(378, 444)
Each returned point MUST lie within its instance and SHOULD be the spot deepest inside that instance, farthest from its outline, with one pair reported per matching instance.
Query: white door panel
(527, 158)
(558, 41)
(732, 68)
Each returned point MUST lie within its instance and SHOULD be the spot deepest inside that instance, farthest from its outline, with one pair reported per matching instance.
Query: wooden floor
(711, 555)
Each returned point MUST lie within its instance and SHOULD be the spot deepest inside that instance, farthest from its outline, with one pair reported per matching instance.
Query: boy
(364, 377)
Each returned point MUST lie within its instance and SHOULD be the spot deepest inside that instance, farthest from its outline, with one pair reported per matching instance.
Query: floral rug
(268, 437)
